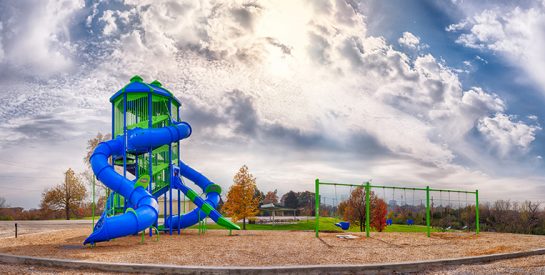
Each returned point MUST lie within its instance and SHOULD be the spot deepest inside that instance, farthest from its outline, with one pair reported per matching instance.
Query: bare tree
(92, 144)
(501, 215)
(3, 202)
(88, 175)
(529, 215)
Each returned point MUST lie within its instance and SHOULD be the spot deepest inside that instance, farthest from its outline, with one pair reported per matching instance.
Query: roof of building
(275, 207)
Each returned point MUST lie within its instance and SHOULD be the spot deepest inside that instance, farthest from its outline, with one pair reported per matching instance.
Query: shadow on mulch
(451, 236)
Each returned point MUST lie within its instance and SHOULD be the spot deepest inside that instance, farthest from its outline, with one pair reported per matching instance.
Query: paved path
(7, 228)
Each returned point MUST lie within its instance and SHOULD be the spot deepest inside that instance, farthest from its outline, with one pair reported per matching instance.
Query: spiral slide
(205, 208)
(143, 210)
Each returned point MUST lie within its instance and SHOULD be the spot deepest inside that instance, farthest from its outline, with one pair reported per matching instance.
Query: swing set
(431, 208)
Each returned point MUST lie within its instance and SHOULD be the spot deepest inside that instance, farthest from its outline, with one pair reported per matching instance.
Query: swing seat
(343, 225)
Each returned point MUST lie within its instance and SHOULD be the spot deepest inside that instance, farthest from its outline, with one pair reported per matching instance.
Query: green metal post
(367, 208)
(428, 210)
(477, 226)
(317, 205)
(200, 222)
(143, 233)
(184, 207)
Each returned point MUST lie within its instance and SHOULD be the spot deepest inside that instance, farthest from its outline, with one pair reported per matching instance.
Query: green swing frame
(368, 187)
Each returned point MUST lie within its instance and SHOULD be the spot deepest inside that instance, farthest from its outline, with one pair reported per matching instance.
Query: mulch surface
(267, 248)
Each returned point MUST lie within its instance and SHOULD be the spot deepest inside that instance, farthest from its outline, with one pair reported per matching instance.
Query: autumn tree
(68, 195)
(341, 208)
(258, 194)
(379, 211)
(353, 209)
(306, 202)
(242, 201)
(271, 197)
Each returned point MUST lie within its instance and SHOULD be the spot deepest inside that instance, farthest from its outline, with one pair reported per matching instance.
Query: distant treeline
(500, 216)
(19, 213)
(513, 217)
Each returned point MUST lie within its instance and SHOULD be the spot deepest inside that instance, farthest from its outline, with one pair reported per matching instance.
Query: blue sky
(447, 94)
(487, 69)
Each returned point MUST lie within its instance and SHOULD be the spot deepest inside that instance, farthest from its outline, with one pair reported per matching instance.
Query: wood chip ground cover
(263, 248)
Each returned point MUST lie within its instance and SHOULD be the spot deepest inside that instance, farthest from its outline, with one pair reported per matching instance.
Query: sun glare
(285, 23)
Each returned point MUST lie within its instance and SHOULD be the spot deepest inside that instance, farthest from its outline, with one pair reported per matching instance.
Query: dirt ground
(262, 248)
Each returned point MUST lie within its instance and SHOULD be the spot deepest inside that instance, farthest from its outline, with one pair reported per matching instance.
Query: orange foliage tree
(271, 197)
(353, 209)
(378, 214)
(67, 196)
(341, 208)
(241, 200)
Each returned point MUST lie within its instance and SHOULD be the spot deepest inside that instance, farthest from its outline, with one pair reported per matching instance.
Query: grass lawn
(326, 224)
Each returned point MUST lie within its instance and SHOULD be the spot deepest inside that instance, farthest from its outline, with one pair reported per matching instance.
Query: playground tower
(146, 134)
(142, 105)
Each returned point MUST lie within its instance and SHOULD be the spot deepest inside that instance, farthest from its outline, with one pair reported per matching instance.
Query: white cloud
(409, 40)
(456, 27)
(483, 102)
(109, 20)
(481, 59)
(517, 34)
(308, 73)
(506, 135)
(294, 65)
(37, 39)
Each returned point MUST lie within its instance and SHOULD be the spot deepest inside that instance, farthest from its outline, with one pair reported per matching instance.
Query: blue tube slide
(145, 208)
(196, 214)
(204, 207)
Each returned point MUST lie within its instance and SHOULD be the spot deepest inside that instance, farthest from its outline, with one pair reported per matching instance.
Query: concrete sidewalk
(388, 268)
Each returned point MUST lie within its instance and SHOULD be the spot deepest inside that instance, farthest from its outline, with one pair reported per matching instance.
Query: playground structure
(146, 134)
(429, 204)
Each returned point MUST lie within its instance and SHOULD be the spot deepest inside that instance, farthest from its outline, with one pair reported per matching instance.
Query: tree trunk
(67, 208)
(361, 225)
(243, 223)
(66, 196)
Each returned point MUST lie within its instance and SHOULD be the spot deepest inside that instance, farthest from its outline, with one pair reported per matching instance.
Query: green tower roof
(137, 85)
